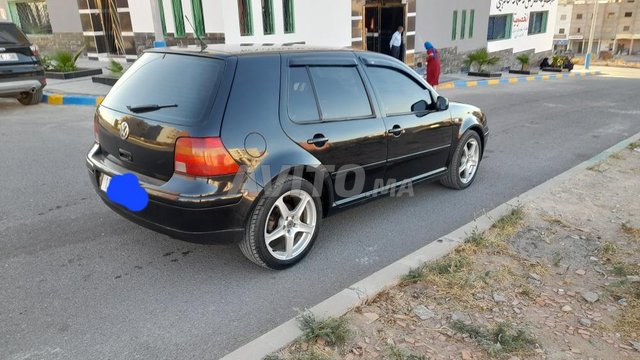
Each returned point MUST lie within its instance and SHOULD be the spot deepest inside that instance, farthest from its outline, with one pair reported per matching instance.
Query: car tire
(464, 163)
(31, 98)
(276, 237)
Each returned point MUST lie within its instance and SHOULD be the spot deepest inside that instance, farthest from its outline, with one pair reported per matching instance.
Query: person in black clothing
(545, 63)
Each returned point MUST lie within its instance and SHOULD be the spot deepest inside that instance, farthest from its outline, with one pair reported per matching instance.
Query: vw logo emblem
(124, 131)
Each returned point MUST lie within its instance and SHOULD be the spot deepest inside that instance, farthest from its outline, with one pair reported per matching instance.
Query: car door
(330, 113)
(418, 137)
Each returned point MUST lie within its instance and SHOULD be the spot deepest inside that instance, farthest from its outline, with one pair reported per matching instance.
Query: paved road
(79, 282)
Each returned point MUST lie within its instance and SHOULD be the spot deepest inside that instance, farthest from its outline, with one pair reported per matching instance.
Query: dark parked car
(258, 144)
(21, 73)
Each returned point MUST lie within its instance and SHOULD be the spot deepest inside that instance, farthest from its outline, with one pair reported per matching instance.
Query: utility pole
(587, 61)
(157, 24)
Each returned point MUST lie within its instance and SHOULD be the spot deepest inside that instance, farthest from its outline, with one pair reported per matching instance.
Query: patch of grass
(415, 275)
(312, 355)
(624, 269)
(607, 248)
(335, 331)
(596, 168)
(556, 221)
(450, 264)
(272, 357)
(529, 291)
(508, 224)
(632, 231)
(556, 258)
(500, 340)
(634, 145)
(477, 239)
(396, 353)
(616, 156)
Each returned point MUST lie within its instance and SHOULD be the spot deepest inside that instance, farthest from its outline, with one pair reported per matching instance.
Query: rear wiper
(149, 107)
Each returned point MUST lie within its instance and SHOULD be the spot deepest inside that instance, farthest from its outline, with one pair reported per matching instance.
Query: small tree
(480, 57)
(523, 59)
(115, 68)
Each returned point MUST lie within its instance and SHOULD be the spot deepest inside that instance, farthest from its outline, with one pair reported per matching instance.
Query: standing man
(396, 43)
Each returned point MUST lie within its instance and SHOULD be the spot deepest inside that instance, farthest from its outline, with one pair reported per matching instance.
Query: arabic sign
(526, 4)
(520, 27)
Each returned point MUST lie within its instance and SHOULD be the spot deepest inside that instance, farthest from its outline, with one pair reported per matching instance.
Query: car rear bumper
(20, 86)
(205, 218)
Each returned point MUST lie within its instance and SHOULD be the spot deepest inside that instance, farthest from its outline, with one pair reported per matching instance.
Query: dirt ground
(558, 278)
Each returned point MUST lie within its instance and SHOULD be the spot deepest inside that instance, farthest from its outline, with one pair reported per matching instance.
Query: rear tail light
(203, 157)
(34, 50)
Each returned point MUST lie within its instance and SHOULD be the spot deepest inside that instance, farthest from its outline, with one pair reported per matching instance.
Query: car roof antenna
(202, 44)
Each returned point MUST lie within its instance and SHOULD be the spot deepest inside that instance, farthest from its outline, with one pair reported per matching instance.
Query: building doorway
(380, 22)
(112, 41)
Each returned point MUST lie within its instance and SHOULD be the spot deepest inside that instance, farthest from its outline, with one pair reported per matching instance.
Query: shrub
(523, 59)
(115, 68)
(480, 57)
(64, 61)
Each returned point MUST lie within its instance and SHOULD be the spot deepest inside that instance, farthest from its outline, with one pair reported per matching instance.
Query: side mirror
(419, 107)
(442, 103)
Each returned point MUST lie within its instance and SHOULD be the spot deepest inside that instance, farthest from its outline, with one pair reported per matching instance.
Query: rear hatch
(16, 57)
(162, 97)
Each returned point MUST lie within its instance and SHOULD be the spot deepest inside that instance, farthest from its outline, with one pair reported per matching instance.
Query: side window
(341, 93)
(302, 105)
(397, 91)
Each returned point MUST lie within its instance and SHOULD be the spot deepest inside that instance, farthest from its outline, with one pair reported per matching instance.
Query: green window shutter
(472, 16)
(162, 20)
(508, 26)
(268, 23)
(246, 17)
(289, 16)
(545, 15)
(178, 18)
(198, 17)
(463, 26)
(13, 12)
(454, 28)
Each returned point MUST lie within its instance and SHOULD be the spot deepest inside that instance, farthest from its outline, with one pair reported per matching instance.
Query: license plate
(9, 57)
(104, 182)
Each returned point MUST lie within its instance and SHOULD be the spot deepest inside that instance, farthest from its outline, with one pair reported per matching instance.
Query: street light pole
(587, 61)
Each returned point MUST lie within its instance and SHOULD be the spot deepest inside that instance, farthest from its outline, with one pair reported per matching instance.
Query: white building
(521, 25)
(563, 27)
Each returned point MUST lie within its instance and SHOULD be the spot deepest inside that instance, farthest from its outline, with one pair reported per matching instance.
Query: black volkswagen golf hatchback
(258, 144)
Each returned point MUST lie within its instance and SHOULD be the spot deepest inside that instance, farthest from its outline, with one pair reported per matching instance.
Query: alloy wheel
(469, 160)
(290, 225)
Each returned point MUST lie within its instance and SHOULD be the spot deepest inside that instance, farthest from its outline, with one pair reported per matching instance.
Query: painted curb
(71, 99)
(457, 84)
(369, 287)
(95, 100)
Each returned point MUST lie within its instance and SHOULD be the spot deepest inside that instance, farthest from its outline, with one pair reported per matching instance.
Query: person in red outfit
(433, 64)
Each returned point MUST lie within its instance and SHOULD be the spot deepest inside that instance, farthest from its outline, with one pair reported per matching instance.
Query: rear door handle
(318, 140)
(396, 130)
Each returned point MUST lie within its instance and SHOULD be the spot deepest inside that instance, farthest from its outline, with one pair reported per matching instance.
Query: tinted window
(340, 92)
(397, 91)
(164, 79)
(302, 102)
(10, 34)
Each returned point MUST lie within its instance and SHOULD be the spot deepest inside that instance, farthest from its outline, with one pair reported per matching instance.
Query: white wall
(141, 19)
(520, 40)
(434, 22)
(323, 23)
(213, 19)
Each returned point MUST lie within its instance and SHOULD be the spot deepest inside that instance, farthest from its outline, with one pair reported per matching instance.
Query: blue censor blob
(126, 191)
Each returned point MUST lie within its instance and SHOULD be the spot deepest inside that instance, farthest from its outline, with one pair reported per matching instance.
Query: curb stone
(456, 84)
(367, 288)
(95, 100)
(71, 99)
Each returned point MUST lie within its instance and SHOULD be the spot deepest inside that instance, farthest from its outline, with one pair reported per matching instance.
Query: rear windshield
(190, 82)
(10, 34)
